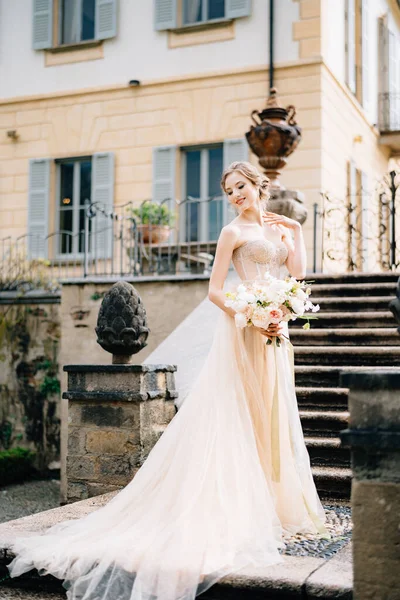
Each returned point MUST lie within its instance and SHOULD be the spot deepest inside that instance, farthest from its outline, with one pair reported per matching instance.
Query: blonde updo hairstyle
(258, 179)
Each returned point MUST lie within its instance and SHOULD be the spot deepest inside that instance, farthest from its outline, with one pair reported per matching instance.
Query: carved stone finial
(122, 324)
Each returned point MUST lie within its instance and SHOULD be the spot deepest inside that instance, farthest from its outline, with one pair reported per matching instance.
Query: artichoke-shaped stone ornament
(122, 324)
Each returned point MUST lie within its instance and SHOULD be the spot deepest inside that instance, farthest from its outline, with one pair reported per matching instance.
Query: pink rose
(275, 316)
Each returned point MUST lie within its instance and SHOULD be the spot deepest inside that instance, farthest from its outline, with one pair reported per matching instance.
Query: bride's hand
(271, 332)
(271, 218)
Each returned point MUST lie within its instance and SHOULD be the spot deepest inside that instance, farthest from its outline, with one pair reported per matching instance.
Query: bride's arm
(297, 256)
(226, 244)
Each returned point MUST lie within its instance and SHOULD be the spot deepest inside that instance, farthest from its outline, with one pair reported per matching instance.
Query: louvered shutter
(234, 150)
(165, 14)
(364, 221)
(42, 24)
(394, 80)
(237, 8)
(103, 196)
(365, 53)
(164, 164)
(106, 19)
(350, 24)
(38, 207)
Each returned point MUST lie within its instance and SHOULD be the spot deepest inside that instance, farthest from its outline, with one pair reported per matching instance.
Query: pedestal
(116, 414)
(288, 203)
(374, 438)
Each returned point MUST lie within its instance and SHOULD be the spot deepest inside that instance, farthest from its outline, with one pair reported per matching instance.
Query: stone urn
(273, 137)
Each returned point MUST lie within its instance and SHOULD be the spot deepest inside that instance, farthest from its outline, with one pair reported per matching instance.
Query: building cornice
(160, 82)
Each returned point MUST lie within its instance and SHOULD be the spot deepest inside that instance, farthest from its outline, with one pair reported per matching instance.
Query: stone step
(347, 355)
(327, 376)
(364, 303)
(339, 320)
(360, 290)
(333, 483)
(353, 278)
(322, 398)
(327, 422)
(383, 336)
(327, 451)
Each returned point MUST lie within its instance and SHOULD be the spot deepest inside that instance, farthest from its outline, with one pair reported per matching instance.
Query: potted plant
(153, 221)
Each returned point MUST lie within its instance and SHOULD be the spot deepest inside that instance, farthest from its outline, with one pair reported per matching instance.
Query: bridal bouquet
(271, 301)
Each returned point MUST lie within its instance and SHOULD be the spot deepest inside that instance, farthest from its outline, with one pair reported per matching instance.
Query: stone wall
(29, 374)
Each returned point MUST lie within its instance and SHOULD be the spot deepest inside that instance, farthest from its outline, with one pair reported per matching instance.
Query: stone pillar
(374, 438)
(116, 415)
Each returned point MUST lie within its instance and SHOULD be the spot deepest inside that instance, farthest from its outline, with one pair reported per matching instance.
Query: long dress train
(227, 478)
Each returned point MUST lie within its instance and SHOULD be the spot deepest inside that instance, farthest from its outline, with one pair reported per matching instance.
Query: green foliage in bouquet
(152, 213)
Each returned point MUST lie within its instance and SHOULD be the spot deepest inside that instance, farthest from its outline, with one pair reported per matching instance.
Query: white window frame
(203, 216)
(79, 4)
(76, 207)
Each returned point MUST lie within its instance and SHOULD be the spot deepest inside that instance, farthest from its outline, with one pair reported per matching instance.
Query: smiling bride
(230, 476)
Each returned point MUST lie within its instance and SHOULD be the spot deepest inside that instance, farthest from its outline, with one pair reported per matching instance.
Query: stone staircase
(355, 331)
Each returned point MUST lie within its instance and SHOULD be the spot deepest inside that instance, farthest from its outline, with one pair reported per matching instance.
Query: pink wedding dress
(227, 478)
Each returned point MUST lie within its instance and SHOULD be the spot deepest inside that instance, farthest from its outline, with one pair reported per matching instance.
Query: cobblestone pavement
(35, 496)
(339, 525)
(21, 499)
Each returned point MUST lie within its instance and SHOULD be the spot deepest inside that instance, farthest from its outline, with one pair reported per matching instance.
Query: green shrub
(15, 465)
(152, 213)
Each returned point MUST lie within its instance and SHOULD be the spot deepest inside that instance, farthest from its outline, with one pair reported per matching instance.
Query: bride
(230, 475)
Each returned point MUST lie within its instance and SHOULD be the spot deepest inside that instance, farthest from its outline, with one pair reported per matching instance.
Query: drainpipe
(271, 44)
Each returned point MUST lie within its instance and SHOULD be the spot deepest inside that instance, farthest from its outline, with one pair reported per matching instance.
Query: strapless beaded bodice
(253, 258)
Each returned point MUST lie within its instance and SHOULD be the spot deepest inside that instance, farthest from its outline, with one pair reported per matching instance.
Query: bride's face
(241, 192)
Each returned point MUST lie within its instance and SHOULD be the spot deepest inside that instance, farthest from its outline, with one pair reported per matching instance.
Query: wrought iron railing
(389, 112)
(361, 232)
(169, 238)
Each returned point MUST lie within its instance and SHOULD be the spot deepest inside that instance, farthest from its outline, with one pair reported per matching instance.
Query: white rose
(301, 294)
(239, 306)
(240, 320)
(298, 306)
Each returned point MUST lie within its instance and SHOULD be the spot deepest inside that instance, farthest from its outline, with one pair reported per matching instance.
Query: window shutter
(394, 80)
(237, 8)
(42, 24)
(364, 53)
(103, 196)
(106, 19)
(164, 164)
(38, 207)
(165, 14)
(350, 24)
(234, 150)
(364, 221)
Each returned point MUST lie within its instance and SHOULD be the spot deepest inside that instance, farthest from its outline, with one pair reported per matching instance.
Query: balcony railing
(171, 238)
(389, 112)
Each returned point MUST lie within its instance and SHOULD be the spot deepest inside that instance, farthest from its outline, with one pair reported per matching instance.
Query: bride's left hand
(274, 219)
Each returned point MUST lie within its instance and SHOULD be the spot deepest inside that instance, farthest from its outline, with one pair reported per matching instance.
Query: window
(59, 23)
(77, 21)
(203, 211)
(174, 14)
(75, 191)
(357, 48)
(198, 11)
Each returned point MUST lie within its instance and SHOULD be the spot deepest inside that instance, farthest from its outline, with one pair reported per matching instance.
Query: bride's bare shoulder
(229, 234)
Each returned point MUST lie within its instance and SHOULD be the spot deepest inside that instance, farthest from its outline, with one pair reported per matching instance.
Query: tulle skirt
(228, 477)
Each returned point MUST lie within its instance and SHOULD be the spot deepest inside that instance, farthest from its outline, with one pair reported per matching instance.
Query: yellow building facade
(121, 127)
